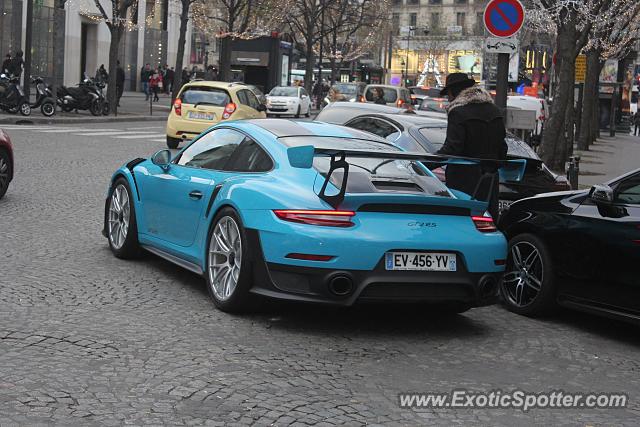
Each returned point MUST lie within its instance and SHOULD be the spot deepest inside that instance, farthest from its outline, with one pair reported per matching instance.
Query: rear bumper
(307, 284)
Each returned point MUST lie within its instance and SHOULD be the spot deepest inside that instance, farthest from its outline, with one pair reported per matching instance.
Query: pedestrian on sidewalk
(475, 128)
(155, 83)
(119, 82)
(6, 64)
(636, 124)
(168, 80)
(101, 75)
(16, 65)
(145, 74)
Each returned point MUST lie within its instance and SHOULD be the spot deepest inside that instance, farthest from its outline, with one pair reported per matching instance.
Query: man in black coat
(475, 129)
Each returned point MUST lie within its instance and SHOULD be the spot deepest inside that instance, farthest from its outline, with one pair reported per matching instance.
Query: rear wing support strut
(340, 163)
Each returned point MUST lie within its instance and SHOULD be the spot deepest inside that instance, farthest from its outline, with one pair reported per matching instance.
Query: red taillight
(484, 224)
(399, 102)
(362, 99)
(326, 218)
(228, 110)
(310, 257)
(177, 106)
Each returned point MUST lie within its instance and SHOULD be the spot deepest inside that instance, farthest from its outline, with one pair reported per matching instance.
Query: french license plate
(504, 204)
(199, 115)
(421, 261)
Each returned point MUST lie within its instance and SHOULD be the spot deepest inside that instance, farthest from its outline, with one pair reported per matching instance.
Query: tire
(528, 286)
(172, 143)
(299, 111)
(308, 114)
(229, 295)
(105, 108)
(25, 109)
(48, 108)
(122, 233)
(96, 107)
(5, 172)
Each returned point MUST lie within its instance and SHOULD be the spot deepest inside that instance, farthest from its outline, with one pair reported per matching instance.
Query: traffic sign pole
(503, 18)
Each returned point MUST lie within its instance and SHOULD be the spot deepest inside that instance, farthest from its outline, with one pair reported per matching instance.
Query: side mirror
(261, 107)
(601, 194)
(162, 159)
(303, 96)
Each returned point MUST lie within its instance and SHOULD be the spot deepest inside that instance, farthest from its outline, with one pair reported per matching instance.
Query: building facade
(151, 37)
(432, 38)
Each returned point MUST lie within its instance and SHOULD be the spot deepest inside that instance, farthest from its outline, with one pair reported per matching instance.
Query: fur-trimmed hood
(471, 95)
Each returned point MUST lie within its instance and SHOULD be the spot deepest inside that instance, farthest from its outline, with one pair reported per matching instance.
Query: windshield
(284, 91)
(437, 105)
(206, 95)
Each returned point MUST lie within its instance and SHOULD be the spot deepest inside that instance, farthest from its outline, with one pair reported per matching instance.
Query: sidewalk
(608, 158)
(133, 108)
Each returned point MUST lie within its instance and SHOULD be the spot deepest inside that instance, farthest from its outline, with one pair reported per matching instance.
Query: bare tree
(572, 21)
(612, 36)
(182, 38)
(116, 22)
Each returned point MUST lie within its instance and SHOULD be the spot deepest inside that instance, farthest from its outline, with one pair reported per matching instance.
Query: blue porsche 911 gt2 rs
(306, 211)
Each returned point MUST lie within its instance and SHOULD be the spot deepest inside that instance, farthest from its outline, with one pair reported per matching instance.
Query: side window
(376, 126)
(303, 92)
(250, 157)
(628, 191)
(212, 150)
(242, 97)
(253, 101)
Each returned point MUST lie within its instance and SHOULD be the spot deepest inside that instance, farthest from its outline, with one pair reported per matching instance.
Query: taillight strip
(327, 218)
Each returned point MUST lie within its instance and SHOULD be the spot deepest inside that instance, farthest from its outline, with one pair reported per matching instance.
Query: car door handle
(195, 194)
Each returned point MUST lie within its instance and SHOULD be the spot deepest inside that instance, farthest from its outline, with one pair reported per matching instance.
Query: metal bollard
(573, 170)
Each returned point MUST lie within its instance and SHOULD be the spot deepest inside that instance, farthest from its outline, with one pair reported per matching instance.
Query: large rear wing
(303, 156)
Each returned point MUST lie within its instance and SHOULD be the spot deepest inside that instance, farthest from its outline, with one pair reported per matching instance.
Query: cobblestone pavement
(87, 339)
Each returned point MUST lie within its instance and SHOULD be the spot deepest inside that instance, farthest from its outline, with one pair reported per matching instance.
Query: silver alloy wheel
(119, 212)
(25, 109)
(4, 173)
(524, 280)
(225, 258)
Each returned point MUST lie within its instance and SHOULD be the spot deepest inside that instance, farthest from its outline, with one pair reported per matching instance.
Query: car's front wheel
(228, 263)
(528, 286)
(298, 112)
(122, 229)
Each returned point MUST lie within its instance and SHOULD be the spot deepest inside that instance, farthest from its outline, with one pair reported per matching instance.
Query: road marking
(110, 133)
(146, 127)
(76, 130)
(153, 135)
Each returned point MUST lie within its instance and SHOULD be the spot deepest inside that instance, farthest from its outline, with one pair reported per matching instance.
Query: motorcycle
(99, 89)
(82, 97)
(12, 97)
(44, 98)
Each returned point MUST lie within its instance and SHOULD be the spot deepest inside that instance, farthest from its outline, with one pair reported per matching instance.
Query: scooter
(99, 90)
(12, 97)
(82, 97)
(44, 98)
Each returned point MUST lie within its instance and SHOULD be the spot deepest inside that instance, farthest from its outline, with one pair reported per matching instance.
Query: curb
(20, 120)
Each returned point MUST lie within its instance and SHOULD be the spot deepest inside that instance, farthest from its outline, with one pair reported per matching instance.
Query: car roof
(410, 120)
(367, 106)
(211, 83)
(285, 127)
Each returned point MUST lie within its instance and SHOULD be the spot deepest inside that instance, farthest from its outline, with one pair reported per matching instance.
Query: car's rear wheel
(5, 172)
(528, 286)
(228, 263)
(122, 229)
(298, 112)
(308, 114)
(172, 143)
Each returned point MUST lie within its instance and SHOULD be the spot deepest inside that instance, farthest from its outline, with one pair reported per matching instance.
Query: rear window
(205, 95)
(436, 105)
(346, 89)
(436, 136)
(338, 143)
(284, 91)
(390, 94)
(426, 91)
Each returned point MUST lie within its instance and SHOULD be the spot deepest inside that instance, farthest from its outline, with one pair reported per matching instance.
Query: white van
(538, 105)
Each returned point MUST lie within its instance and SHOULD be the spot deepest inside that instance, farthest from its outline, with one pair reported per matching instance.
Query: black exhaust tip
(488, 286)
(340, 285)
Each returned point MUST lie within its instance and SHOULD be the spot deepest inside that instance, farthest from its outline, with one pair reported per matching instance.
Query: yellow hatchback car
(200, 104)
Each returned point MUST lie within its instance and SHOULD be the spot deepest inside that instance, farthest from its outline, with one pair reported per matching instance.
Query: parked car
(531, 103)
(433, 105)
(419, 93)
(258, 93)
(352, 92)
(288, 100)
(418, 133)
(340, 113)
(578, 249)
(267, 207)
(393, 95)
(6, 162)
(200, 104)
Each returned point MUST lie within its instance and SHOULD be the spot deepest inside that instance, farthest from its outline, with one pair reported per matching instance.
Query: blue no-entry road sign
(503, 18)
